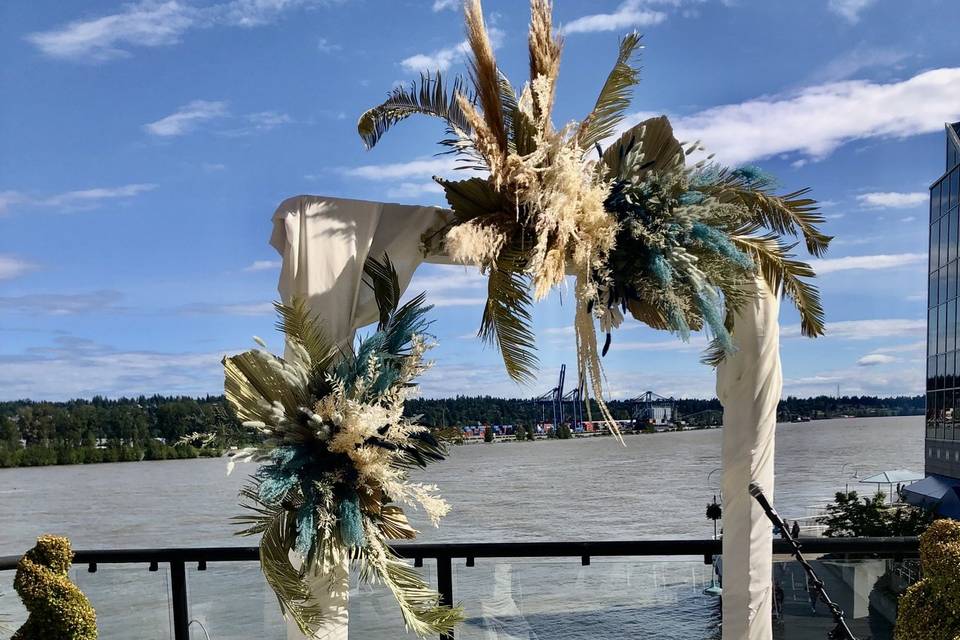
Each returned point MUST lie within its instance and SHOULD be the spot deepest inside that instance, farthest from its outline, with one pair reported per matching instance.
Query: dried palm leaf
(506, 316)
(614, 98)
(430, 98)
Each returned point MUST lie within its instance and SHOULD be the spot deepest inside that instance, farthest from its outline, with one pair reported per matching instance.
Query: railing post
(445, 586)
(181, 615)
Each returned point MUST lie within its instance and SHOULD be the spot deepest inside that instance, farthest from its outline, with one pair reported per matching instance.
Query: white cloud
(263, 265)
(211, 167)
(78, 368)
(450, 286)
(11, 267)
(61, 304)
(632, 13)
(868, 263)
(440, 5)
(818, 119)
(152, 23)
(229, 309)
(413, 189)
(442, 59)
(81, 199)
(849, 9)
(874, 359)
(866, 329)
(187, 118)
(861, 58)
(419, 168)
(892, 199)
(325, 46)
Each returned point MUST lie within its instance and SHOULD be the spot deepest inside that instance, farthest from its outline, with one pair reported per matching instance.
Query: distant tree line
(151, 428)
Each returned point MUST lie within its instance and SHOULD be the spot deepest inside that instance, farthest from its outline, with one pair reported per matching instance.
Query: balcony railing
(531, 584)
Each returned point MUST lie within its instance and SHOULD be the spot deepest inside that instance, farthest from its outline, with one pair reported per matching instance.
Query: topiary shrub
(930, 609)
(57, 607)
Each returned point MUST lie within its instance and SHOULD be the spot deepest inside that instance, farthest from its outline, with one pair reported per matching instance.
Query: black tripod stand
(841, 631)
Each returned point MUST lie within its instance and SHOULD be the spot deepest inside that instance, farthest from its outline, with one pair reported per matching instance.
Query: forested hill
(146, 423)
(472, 410)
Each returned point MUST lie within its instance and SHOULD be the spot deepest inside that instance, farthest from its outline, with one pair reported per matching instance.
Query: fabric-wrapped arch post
(324, 243)
(749, 383)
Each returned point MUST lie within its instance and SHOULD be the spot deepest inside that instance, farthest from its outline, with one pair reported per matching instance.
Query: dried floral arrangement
(675, 246)
(335, 454)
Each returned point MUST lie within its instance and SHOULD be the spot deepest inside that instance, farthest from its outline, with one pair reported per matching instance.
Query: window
(954, 278)
(951, 280)
(934, 245)
(931, 372)
(941, 373)
(944, 239)
(951, 326)
(954, 186)
(941, 329)
(942, 285)
(932, 289)
(935, 203)
(932, 332)
(949, 373)
(952, 239)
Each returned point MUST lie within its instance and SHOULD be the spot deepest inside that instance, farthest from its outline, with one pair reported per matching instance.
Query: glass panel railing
(866, 590)
(130, 600)
(610, 598)
(232, 600)
(373, 609)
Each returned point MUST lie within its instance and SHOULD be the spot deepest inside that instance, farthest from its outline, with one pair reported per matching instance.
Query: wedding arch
(679, 247)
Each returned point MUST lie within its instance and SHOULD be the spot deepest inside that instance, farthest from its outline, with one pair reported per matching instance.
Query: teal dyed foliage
(678, 323)
(661, 269)
(282, 473)
(713, 311)
(306, 529)
(386, 348)
(720, 243)
(752, 175)
(351, 527)
(691, 197)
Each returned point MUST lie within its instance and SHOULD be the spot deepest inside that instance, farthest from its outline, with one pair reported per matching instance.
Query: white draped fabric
(749, 384)
(324, 243)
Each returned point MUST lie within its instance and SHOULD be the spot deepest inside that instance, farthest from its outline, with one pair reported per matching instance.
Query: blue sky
(146, 145)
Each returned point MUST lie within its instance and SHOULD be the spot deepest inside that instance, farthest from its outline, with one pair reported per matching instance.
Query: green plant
(487, 434)
(58, 609)
(930, 609)
(852, 516)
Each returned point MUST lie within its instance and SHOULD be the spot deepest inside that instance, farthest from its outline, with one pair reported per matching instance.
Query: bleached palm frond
(614, 98)
(785, 274)
(506, 316)
(429, 97)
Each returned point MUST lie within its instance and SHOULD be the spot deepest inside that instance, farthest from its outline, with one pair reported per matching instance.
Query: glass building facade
(942, 455)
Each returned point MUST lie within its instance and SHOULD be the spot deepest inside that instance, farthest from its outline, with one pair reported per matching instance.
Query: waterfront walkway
(800, 623)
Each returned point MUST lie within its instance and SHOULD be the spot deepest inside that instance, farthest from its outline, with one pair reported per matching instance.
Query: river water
(657, 486)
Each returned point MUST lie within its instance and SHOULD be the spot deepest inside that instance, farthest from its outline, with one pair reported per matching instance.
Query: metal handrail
(177, 558)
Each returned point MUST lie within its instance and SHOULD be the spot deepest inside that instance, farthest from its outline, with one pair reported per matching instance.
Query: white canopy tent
(324, 243)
